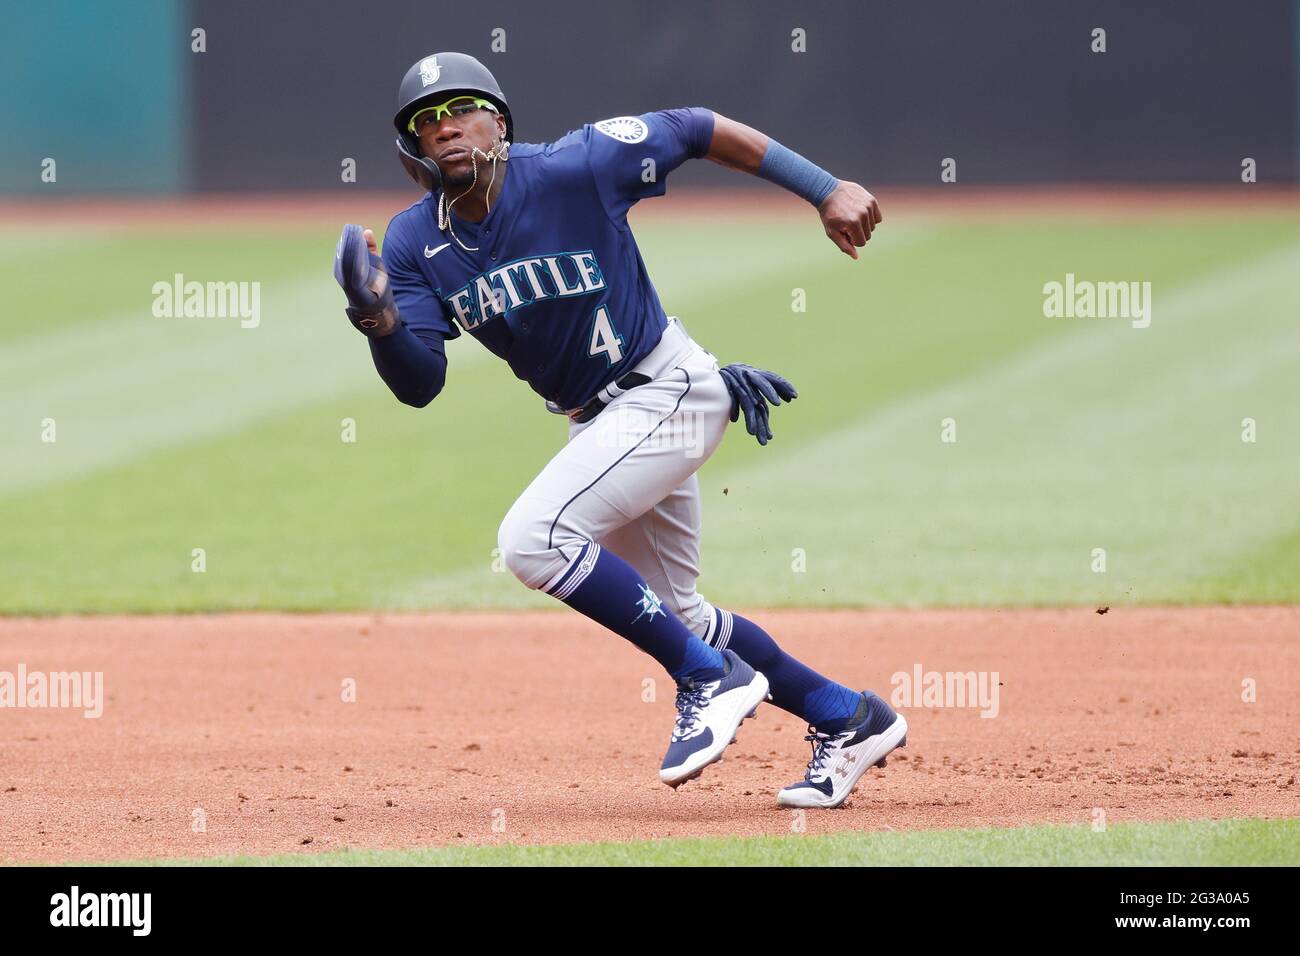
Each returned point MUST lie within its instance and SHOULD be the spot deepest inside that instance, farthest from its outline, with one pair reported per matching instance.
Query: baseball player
(527, 248)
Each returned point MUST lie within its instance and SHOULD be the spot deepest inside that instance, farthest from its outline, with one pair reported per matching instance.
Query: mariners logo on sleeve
(625, 129)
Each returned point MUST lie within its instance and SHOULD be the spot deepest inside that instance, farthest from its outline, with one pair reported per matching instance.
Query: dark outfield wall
(886, 90)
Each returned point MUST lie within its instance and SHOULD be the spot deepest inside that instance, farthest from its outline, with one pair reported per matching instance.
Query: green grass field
(175, 434)
(1185, 843)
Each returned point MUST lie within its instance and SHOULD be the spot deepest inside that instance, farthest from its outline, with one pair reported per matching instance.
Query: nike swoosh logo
(430, 253)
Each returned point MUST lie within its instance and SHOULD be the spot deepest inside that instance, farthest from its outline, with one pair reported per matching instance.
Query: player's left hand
(849, 214)
(752, 389)
(359, 271)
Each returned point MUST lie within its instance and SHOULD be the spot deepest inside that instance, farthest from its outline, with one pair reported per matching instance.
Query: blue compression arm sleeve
(787, 168)
(413, 370)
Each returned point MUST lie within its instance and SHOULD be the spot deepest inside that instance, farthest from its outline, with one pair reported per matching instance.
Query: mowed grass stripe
(137, 383)
(294, 518)
(964, 297)
(1250, 842)
(1110, 437)
(74, 276)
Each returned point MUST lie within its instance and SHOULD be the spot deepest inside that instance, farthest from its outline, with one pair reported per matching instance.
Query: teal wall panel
(100, 87)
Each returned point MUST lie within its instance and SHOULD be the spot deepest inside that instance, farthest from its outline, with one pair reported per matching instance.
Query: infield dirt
(231, 734)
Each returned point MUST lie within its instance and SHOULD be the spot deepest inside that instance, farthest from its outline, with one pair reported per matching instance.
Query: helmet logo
(429, 71)
(625, 129)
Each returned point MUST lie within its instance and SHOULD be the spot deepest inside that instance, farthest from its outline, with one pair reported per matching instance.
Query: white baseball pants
(626, 480)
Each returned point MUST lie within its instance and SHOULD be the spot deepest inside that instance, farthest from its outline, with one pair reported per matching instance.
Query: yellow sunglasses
(456, 106)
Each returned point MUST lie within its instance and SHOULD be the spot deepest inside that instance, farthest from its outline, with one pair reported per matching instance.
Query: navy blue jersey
(557, 287)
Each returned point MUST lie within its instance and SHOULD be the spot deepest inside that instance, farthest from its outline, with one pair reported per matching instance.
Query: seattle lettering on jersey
(524, 282)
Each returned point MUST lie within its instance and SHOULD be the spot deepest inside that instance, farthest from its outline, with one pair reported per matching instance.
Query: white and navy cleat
(839, 760)
(708, 716)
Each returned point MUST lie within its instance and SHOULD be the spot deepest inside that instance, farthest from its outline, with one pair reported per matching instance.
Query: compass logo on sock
(650, 605)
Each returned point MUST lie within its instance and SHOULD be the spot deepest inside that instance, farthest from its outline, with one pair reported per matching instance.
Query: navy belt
(586, 413)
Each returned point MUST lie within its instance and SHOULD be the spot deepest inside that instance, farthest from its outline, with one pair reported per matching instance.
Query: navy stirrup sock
(608, 590)
(795, 687)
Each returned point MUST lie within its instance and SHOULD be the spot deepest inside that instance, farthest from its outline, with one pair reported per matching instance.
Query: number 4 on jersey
(604, 340)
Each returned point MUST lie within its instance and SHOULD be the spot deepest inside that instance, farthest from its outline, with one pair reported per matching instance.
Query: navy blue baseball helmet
(436, 79)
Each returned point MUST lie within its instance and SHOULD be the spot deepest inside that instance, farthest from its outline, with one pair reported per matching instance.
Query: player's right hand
(849, 214)
(360, 272)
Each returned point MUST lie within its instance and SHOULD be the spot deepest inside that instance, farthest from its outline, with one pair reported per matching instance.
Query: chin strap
(500, 151)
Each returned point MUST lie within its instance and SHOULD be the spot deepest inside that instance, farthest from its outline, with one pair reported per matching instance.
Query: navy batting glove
(752, 390)
(361, 275)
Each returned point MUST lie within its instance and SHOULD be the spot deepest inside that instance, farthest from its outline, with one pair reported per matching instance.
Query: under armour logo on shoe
(650, 605)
